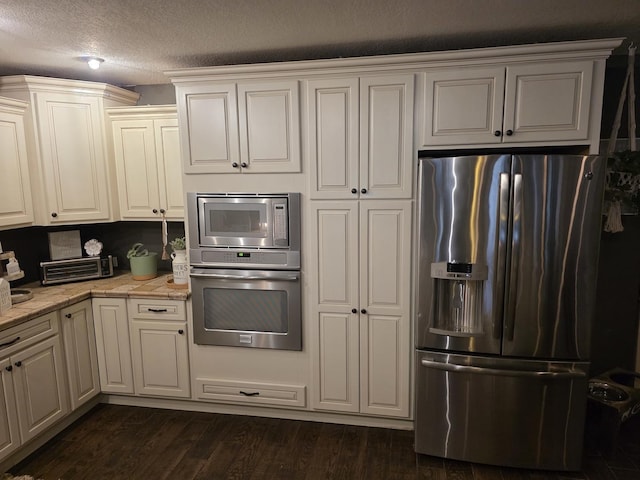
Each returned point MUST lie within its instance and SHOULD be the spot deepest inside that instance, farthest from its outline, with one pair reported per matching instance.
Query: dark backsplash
(31, 244)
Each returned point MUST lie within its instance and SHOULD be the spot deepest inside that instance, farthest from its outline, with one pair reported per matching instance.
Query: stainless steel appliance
(223, 226)
(245, 269)
(508, 252)
(76, 269)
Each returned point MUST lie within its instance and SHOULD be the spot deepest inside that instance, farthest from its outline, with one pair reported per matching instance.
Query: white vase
(180, 267)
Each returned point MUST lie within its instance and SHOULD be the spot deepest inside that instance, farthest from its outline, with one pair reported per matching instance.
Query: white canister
(180, 267)
(5, 296)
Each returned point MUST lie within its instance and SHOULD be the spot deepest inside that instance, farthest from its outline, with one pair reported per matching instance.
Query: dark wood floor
(117, 442)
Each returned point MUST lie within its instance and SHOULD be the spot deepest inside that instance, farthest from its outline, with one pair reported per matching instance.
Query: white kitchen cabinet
(148, 166)
(159, 346)
(34, 382)
(361, 306)
(514, 104)
(113, 346)
(9, 428)
(248, 127)
(16, 206)
(67, 145)
(78, 335)
(360, 136)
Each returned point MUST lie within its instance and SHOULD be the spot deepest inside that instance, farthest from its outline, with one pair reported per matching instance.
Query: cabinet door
(269, 121)
(112, 343)
(335, 296)
(386, 136)
(169, 168)
(160, 358)
(463, 106)
(16, 206)
(78, 334)
(40, 388)
(333, 133)
(135, 155)
(9, 429)
(385, 349)
(73, 157)
(209, 136)
(548, 102)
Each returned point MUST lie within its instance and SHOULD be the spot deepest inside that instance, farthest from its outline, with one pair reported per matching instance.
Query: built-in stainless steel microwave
(255, 230)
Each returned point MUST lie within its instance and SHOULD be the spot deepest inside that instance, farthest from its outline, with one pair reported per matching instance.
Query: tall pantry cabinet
(360, 132)
(67, 145)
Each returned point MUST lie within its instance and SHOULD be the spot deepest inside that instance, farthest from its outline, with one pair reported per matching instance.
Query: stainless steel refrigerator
(508, 255)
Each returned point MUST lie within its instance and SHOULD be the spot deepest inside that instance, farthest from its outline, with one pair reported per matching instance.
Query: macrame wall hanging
(623, 172)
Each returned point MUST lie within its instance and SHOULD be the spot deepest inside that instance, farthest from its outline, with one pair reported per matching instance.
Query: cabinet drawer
(267, 394)
(157, 309)
(15, 338)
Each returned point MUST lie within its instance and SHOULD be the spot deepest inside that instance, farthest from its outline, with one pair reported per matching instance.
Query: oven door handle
(292, 277)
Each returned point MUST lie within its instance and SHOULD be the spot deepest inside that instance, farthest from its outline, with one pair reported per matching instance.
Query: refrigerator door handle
(516, 240)
(450, 367)
(503, 232)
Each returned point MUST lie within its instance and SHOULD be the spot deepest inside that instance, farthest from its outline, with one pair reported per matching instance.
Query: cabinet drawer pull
(250, 394)
(157, 310)
(9, 343)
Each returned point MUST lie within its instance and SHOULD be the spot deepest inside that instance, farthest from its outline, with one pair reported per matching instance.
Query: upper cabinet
(16, 208)
(533, 103)
(360, 137)
(67, 145)
(147, 155)
(248, 127)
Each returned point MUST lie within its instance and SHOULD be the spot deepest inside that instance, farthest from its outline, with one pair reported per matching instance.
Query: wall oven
(244, 251)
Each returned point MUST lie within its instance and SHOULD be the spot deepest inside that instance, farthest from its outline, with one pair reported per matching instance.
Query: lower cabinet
(142, 346)
(78, 334)
(160, 347)
(112, 343)
(34, 393)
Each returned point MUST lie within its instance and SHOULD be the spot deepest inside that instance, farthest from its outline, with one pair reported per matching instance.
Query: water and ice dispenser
(458, 298)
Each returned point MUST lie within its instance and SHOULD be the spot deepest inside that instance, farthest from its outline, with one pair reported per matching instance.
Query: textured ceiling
(139, 40)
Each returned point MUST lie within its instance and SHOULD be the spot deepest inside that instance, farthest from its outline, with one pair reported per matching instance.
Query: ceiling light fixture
(94, 62)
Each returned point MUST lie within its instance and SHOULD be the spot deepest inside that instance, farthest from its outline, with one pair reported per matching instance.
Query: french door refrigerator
(508, 253)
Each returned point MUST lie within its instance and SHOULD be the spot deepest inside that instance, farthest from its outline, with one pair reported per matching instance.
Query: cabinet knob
(364, 310)
(497, 133)
(162, 210)
(8, 368)
(155, 210)
(509, 132)
(68, 315)
(234, 164)
(244, 165)
(18, 363)
(180, 331)
(354, 310)
(54, 214)
(364, 190)
(354, 190)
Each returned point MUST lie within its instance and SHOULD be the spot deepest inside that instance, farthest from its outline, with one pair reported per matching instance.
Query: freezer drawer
(517, 413)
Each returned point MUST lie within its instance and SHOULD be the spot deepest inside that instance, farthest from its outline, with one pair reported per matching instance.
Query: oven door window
(246, 310)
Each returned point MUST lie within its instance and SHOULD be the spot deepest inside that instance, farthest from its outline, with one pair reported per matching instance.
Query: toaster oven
(76, 269)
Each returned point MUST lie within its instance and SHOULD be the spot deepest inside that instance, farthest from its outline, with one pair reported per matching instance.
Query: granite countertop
(48, 299)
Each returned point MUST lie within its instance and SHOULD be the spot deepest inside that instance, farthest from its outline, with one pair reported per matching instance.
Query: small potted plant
(144, 264)
(179, 243)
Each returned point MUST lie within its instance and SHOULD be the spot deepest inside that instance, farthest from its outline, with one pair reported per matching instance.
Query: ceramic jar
(180, 267)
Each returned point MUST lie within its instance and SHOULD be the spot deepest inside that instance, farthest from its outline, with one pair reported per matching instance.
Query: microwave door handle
(221, 276)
